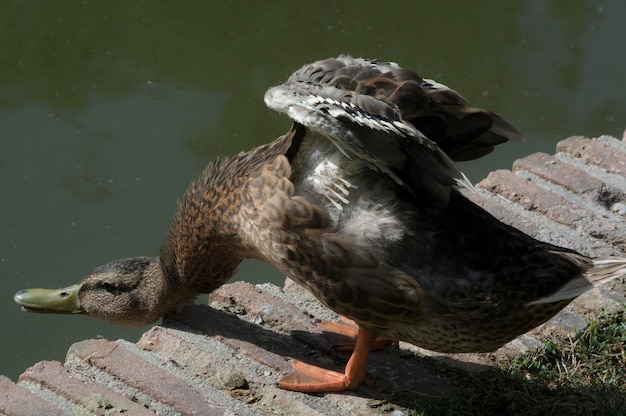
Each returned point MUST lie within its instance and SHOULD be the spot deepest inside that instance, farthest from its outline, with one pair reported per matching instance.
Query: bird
(361, 203)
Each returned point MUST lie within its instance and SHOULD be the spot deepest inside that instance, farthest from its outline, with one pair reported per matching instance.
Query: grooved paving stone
(262, 308)
(243, 337)
(560, 173)
(126, 367)
(595, 153)
(243, 381)
(600, 195)
(532, 197)
(189, 354)
(17, 401)
(81, 390)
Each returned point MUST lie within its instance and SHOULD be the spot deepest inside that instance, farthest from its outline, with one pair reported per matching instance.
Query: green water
(109, 109)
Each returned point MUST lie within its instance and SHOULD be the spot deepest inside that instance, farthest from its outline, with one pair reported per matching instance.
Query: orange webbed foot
(309, 378)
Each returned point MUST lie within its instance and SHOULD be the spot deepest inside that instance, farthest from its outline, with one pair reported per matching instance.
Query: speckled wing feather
(372, 111)
(438, 112)
(364, 127)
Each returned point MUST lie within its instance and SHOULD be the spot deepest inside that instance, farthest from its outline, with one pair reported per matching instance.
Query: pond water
(109, 109)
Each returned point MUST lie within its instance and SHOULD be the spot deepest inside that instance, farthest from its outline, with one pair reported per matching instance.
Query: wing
(386, 115)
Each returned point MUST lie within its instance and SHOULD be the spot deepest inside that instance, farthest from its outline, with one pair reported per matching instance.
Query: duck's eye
(109, 287)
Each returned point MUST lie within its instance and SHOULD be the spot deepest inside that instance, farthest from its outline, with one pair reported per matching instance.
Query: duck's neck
(214, 228)
(203, 249)
(166, 294)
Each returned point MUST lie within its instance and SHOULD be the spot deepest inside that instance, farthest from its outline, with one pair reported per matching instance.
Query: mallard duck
(360, 203)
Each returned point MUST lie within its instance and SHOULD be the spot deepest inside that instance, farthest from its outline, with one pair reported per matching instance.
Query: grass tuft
(581, 376)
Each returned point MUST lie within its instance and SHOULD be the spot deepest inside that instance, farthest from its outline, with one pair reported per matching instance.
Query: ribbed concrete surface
(225, 360)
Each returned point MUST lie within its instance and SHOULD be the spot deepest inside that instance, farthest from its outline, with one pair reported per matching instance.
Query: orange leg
(309, 378)
(342, 334)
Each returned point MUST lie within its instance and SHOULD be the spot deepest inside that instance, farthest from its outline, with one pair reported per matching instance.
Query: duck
(362, 203)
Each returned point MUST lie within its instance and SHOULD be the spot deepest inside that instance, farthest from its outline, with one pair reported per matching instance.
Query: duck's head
(128, 292)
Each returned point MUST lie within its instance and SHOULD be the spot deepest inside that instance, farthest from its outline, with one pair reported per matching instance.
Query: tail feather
(606, 269)
(602, 271)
